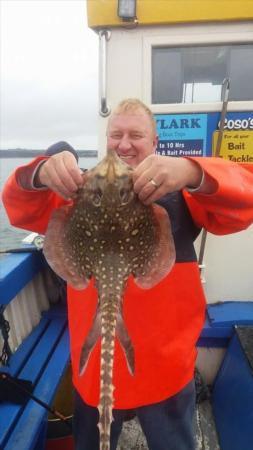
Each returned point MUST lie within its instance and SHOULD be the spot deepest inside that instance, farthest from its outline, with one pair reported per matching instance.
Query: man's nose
(124, 143)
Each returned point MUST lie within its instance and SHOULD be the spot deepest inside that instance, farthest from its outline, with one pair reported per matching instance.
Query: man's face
(131, 135)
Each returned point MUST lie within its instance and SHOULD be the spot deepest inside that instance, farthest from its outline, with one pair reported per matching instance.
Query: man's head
(131, 131)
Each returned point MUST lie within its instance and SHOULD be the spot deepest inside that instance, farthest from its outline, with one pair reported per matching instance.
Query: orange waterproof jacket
(164, 322)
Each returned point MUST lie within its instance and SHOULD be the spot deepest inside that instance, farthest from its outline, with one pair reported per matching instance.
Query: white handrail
(104, 36)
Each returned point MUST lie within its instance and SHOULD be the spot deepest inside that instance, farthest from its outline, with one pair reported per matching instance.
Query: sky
(48, 75)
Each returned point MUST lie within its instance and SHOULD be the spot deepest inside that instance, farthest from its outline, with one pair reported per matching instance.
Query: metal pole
(224, 93)
(224, 98)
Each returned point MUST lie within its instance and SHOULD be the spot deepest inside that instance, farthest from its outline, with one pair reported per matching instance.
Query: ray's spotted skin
(109, 234)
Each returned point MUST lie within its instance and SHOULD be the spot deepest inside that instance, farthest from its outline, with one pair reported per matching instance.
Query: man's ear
(155, 142)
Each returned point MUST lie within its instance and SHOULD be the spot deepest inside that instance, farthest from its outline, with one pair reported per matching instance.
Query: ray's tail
(109, 311)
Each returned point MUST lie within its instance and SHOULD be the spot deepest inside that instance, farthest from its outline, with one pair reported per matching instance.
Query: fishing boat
(192, 62)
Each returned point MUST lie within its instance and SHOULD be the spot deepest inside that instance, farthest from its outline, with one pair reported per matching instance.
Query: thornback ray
(108, 234)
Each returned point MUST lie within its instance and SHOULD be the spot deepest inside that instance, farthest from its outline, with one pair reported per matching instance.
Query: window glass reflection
(195, 74)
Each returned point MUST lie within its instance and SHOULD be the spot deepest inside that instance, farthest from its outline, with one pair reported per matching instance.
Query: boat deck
(132, 437)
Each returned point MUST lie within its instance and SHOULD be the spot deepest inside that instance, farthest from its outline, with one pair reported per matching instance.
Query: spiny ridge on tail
(106, 387)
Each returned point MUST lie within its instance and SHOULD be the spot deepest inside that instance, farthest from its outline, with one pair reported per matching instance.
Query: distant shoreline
(23, 153)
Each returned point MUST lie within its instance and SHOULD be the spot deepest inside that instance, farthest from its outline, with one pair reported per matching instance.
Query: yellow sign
(236, 145)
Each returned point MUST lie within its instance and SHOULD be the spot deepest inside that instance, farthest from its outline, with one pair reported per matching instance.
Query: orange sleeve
(29, 209)
(230, 208)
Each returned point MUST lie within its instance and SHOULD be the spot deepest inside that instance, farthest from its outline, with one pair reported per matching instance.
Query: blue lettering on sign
(193, 133)
(164, 124)
(184, 132)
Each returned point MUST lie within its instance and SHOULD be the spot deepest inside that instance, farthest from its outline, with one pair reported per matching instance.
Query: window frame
(189, 39)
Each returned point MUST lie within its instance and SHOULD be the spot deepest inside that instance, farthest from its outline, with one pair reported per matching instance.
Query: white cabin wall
(128, 71)
(228, 267)
(228, 259)
(123, 73)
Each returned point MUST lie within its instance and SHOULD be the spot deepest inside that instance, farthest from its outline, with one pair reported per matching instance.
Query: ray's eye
(97, 197)
(124, 196)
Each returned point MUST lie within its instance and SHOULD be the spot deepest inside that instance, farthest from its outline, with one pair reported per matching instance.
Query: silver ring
(154, 183)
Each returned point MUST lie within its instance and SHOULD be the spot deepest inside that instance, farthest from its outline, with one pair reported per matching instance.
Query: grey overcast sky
(49, 74)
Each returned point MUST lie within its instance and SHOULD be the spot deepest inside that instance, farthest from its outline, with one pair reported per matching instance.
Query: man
(164, 322)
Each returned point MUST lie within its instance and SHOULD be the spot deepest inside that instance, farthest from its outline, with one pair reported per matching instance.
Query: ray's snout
(114, 167)
(111, 168)
(111, 173)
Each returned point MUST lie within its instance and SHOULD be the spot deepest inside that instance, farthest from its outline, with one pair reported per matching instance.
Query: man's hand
(61, 174)
(158, 175)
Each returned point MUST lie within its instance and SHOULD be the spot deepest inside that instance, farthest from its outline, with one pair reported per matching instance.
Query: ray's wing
(163, 257)
(56, 249)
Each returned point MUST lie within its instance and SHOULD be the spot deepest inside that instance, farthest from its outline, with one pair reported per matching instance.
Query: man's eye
(136, 136)
(115, 136)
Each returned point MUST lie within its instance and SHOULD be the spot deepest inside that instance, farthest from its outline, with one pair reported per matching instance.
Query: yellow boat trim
(103, 13)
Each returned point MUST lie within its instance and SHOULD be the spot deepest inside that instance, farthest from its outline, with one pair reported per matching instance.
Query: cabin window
(195, 74)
